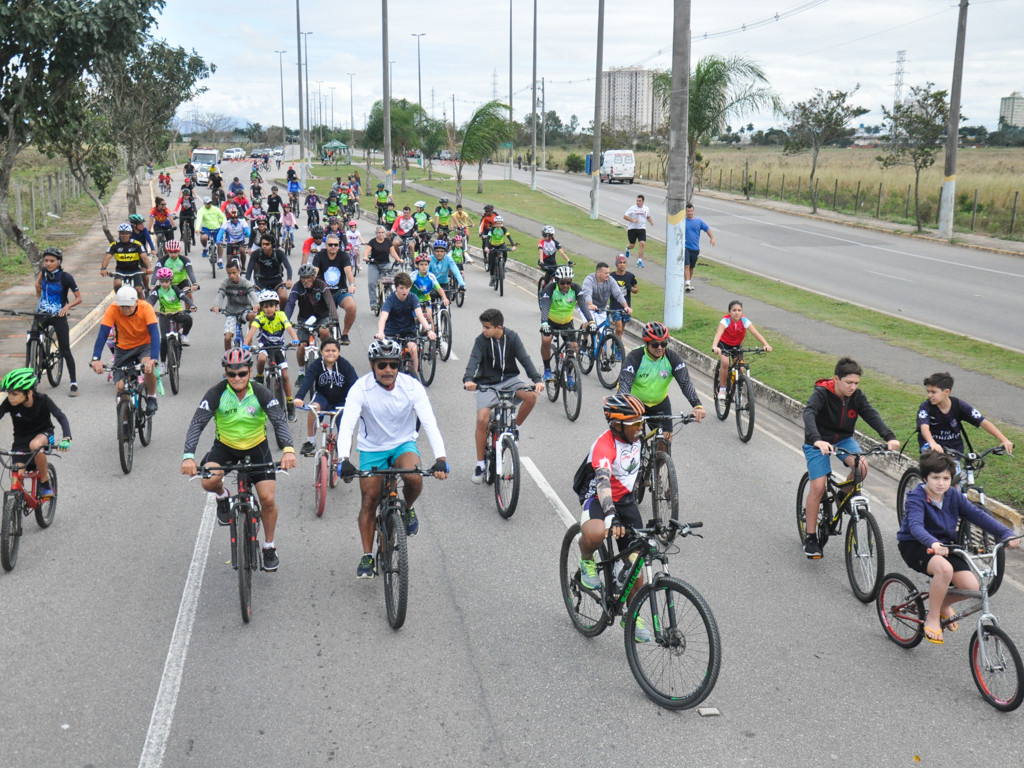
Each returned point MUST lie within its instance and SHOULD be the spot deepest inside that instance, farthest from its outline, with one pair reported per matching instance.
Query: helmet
(312, 189)
(564, 273)
(332, 276)
(267, 296)
(333, 193)
(126, 296)
(456, 238)
(498, 219)
(55, 252)
(236, 356)
(440, 245)
(548, 230)
(384, 349)
(173, 246)
(307, 270)
(443, 201)
(164, 273)
(286, 207)
(655, 331)
(273, 189)
(620, 407)
(621, 257)
(124, 227)
(316, 232)
(232, 211)
(488, 208)
(20, 379)
(136, 219)
(207, 199)
(422, 258)
(421, 204)
(380, 186)
(353, 224)
(332, 219)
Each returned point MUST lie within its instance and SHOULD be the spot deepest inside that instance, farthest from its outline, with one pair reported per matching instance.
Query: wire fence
(39, 205)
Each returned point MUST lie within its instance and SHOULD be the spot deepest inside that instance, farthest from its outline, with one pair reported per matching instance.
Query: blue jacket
(440, 270)
(927, 523)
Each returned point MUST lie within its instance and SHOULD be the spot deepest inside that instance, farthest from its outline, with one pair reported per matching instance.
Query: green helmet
(136, 219)
(19, 379)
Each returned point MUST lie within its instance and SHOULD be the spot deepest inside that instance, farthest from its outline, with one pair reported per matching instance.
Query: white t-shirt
(639, 212)
(387, 417)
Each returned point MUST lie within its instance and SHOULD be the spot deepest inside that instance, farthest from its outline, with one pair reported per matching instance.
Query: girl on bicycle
(171, 302)
(729, 335)
(52, 286)
(31, 414)
(330, 377)
(161, 220)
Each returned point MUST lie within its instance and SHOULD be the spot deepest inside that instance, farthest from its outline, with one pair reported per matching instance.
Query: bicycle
(566, 375)
(273, 376)
(498, 255)
(739, 391)
(657, 471)
(678, 667)
(325, 458)
(188, 233)
(501, 450)
(442, 328)
(132, 414)
(968, 536)
(392, 558)
(603, 349)
(995, 662)
(865, 554)
(456, 291)
(20, 500)
(173, 348)
(384, 286)
(42, 351)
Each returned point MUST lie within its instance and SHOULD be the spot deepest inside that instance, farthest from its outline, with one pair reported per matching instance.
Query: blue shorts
(383, 459)
(690, 257)
(326, 405)
(819, 465)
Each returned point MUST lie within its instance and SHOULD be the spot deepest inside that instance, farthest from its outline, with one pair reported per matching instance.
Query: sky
(827, 44)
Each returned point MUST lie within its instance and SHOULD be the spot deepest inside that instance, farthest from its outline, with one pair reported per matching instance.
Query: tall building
(1011, 110)
(629, 103)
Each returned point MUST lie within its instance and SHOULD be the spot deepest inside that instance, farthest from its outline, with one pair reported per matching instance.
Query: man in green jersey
(557, 303)
(443, 217)
(497, 243)
(382, 198)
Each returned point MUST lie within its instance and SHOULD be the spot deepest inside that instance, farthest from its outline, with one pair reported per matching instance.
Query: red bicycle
(325, 467)
(21, 499)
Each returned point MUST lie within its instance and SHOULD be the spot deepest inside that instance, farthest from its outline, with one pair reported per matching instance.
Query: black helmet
(620, 407)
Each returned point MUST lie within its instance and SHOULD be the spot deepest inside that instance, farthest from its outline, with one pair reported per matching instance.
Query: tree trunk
(14, 233)
(480, 178)
(458, 183)
(917, 199)
(810, 184)
(404, 164)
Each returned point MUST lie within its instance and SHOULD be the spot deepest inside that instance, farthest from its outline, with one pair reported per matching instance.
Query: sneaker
(812, 548)
(366, 569)
(412, 523)
(344, 341)
(478, 475)
(74, 390)
(640, 631)
(270, 561)
(45, 492)
(720, 395)
(151, 404)
(588, 574)
(308, 448)
(299, 380)
(224, 511)
(184, 340)
(688, 287)
(548, 375)
(640, 263)
(220, 264)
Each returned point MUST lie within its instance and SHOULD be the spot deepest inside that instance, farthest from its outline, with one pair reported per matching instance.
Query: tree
(915, 130)
(50, 47)
(433, 138)
(481, 138)
(406, 117)
(818, 122)
(211, 127)
(720, 88)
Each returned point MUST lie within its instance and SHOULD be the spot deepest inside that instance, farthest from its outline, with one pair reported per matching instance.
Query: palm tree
(406, 118)
(482, 136)
(720, 88)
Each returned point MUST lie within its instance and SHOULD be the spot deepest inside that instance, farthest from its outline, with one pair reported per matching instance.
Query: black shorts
(664, 408)
(558, 327)
(915, 554)
(635, 235)
(691, 257)
(626, 509)
(258, 454)
(21, 445)
(125, 357)
(269, 284)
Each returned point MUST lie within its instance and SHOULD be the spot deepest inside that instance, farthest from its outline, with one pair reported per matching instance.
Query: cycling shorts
(22, 444)
(626, 509)
(258, 454)
(384, 459)
(662, 409)
(558, 327)
(819, 465)
(128, 357)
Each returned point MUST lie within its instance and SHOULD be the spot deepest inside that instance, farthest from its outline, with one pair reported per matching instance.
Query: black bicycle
(501, 450)
(42, 352)
(739, 391)
(173, 349)
(566, 376)
(657, 472)
(132, 414)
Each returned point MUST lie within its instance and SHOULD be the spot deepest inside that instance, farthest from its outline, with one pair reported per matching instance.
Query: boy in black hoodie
(830, 417)
(492, 363)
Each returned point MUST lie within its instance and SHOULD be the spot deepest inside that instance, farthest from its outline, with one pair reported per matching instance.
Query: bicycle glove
(545, 328)
(347, 471)
(64, 444)
(440, 466)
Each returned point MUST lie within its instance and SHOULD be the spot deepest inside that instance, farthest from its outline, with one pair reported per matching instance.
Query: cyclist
(381, 255)
(312, 207)
(294, 190)
(256, 191)
(404, 229)
(353, 240)
(330, 378)
(138, 339)
(604, 483)
(486, 222)
(829, 419)
(240, 202)
(313, 298)
(288, 224)
(215, 182)
(161, 219)
(236, 297)
(557, 302)
(426, 286)
(442, 217)
(598, 288)
(171, 302)
(390, 409)
(271, 324)
(314, 243)
(274, 203)
(332, 206)
(235, 187)
(729, 335)
(240, 409)
(141, 233)
(647, 373)
(443, 265)
(210, 220)
(422, 219)
(462, 221)
(189, 172)
(334, 227)
(32, 415)
(497, 241)
(268, 267)
(492, 363)
(940, 418)
(129, 257)
(382, 197)
(400, 314)
(234, 233)
(548, 249)
(52, 287)
(628, 284)
(261, 228)
(180, 266)
(335, 268)
(458, 252)
(186, 209)
(390, 215)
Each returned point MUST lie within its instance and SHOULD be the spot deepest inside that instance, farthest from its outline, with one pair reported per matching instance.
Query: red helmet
(655, 331)
(236, 356)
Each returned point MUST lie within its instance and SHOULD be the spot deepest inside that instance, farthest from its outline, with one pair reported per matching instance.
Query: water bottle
(621, 573)
(159, 380)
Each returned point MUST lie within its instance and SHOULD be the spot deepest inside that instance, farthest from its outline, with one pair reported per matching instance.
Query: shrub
(575, 163)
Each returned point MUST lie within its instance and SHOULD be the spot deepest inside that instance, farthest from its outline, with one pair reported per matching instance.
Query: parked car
(278, 150)
(235, 153)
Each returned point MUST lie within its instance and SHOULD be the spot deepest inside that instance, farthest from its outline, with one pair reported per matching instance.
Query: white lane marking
(547, 490)
(174, 666)
(453, 356)
(889, 277)
(773, 247)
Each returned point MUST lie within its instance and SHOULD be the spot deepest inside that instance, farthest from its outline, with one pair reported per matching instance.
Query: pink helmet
(164, 274)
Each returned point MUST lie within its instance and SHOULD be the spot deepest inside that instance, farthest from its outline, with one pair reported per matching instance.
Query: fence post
(799, 182)
(856, 200)
(835, 194)
(1013, 214)
(17, 206)
(32, 188)
(730, 178)
(878, 206)
(974, 213)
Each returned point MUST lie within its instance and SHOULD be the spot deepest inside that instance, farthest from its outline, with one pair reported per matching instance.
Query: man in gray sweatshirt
(598, 287)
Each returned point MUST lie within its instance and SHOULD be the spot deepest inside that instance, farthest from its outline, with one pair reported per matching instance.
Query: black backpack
(583, 478)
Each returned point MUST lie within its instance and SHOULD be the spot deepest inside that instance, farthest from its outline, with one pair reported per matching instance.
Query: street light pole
(332, 107)
(284, 134)
(302, 142)
(320, 108)
(351, 118)
(511, 122)
(595, 161)
(533, 119)
(419, 71)
(309, 121)
(387, 98)
(675, 199)
(947, 198)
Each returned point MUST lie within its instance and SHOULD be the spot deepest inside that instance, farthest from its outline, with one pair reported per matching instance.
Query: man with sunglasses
(647, 373)
(390, 409)
(557, 302)
(240, 409)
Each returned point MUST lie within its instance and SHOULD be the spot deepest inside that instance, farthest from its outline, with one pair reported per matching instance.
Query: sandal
(933, 635)
(952, 626)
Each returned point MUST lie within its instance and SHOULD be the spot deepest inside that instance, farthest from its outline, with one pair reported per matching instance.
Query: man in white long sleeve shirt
(388, 406)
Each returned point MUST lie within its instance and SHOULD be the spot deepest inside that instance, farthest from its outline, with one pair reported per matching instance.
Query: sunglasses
(237, 374)
(565, 282)
(333, 245)
(381, 365)
(657, 344)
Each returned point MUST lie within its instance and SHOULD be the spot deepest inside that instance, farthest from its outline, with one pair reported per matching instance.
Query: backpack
(583, 479)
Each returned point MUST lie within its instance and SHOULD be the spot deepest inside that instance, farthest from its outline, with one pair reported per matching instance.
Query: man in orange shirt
(485, 224)
(138, 339)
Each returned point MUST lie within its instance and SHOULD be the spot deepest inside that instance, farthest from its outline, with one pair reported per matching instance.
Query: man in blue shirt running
(694, 227)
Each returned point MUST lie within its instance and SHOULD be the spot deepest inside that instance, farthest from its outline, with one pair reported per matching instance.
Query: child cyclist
(729, 335)
(829, 418)
(933, 512)
(171, 302)
(31, 414)
(330, 377)
(425, 285)
(271, 323)
(443, 264)
(940, 418)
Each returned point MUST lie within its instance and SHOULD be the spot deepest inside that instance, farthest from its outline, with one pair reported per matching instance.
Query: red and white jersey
(623, 459)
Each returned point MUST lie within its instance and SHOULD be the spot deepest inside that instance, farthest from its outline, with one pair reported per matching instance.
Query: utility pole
(948, 198)
(675, 200)
(332, 107)
(533, 119)
(284, 133)
(351, 119)
(419, 71)
(302, 143)
(511, 123)
(309, 114)
(544, 126)
(595, 161)
(387, 98)
(320, 109)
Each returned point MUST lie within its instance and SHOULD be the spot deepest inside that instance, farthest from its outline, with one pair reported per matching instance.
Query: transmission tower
(901, 60)
(494, 85)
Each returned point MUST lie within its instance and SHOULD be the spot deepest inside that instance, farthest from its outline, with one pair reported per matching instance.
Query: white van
(202, 159)
(617, 165)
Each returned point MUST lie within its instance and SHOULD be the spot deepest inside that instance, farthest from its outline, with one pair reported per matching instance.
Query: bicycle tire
(664, 488)
(506, 483)
(245, 540)
(53, 359)
(679, 667)
(173, 362)
(572, 397)
(902, 620)
(144, 422)
(551, 386)
(45, 510)
(320, 484)
(721, 406)
(908, 482)
(865, 556)
(10, 530)
(1005, 689)
(428, 362)
(34, 357)
(975, 539)
(332, 467)
(824, 512)
(585, 610)
(212, 255)
(395, 562)
(744, 396)
(444, 334)
(187, 233)
(500, 276)
(460, 298)
(609, 361)
(125, 434)
(490, 448)
(585, 358)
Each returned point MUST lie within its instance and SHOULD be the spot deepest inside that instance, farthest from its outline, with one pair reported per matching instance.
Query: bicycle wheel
(186, 235)
(865, 556)
(45, 510)
(908, 482)
(53, 360)
(332, 466)
(428, 362)
(506, 483)
(572, 384)
(460, 298)
(664, 489)
(245, 550)
(721, 406)
(173, 362)
(34, 357)
(585, 358)
(744, 397)
(444, 334)
(979, 541)
(320, 483)
(10, 530)
(678, 668)
(900, 608)
(824, 512)
(609, 361)
(996, 668)
(584, 605)
(144, 422)
(499, 275)
(125, 434)
(393, 558)
(213, 258)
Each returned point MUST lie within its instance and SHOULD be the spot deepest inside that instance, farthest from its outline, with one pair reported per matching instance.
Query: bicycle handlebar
(208, 472)
(19, 313)
(378, 471)
(743, 351)
(683, 418)
(975, 458)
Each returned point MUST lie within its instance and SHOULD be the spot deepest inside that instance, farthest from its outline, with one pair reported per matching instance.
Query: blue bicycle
(603, 348)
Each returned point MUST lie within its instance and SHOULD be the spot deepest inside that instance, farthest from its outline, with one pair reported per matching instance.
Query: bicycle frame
(20, 473)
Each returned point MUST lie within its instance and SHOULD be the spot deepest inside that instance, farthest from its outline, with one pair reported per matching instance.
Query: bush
(575, 163)
(552, 164)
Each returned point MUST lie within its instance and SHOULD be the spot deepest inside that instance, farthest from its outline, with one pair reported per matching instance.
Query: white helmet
(126, 296)
(498, 220)
(269, 295)
(548, 230)
(421, 204)
(564, 272)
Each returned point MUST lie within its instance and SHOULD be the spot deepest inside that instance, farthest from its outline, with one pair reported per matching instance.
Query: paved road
(487, 670)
